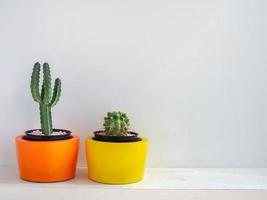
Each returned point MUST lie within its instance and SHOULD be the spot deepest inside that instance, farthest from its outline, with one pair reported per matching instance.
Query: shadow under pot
(44, 158)
(116, 159)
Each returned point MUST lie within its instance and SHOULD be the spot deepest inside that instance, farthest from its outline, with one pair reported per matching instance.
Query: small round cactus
(116, 123)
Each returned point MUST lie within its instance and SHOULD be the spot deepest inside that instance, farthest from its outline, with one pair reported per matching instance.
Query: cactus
(116, 123)
(46, 99)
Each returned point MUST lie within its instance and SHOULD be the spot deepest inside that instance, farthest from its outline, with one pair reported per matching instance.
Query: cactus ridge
(46, 84)
(56, 92)
(35, 82)
(46, 98)
(116, 123)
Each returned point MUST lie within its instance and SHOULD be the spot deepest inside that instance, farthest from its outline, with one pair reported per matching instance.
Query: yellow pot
(116, 162)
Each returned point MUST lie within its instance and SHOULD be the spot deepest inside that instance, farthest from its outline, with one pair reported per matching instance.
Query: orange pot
(47, 161)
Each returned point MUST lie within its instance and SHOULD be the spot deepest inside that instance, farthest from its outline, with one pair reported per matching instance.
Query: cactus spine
(116, 123)
(45, 99)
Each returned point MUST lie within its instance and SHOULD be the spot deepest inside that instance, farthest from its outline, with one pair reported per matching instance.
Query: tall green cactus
(46, 99)
(116, 123)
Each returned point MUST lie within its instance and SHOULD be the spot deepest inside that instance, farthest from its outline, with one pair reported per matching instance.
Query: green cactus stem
(45, 99)
(46, 119)
(116, 123)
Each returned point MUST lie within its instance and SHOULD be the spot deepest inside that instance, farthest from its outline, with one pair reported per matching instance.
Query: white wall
(191, 74)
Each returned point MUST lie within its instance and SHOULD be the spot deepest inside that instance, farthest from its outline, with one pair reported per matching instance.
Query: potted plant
(116, 155)
(46, 154)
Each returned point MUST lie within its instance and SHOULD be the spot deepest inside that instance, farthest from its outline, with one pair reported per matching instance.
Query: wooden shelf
(159, 183)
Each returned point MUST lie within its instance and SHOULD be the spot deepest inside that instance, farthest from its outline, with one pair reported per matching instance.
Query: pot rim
(116, 138)
(54, 129)
(31, 137)
(129, 131)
